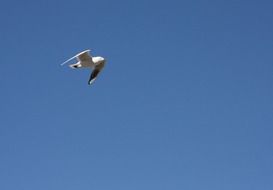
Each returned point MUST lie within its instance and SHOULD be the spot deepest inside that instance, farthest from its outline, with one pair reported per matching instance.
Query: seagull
(85, 60)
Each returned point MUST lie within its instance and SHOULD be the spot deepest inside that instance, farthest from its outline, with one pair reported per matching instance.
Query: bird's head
(101, 59)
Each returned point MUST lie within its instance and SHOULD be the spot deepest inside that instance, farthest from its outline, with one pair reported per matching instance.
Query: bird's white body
(85, 60)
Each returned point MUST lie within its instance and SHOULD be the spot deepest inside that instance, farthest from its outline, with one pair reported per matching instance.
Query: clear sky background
(184, 102)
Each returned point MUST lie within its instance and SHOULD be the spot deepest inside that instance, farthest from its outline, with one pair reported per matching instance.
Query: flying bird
(85, 60)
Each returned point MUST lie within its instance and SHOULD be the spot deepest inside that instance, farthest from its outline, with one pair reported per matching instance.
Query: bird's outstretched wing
(83, 56)
(95, 73)
(93, 76)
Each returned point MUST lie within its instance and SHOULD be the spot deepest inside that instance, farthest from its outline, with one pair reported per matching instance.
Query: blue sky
(184, 102)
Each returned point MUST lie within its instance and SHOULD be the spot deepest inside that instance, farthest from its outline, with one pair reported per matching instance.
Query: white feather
(69, 60)
(74, 57)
